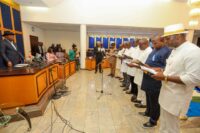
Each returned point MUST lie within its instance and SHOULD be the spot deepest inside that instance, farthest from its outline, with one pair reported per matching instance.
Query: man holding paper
(124, 66)
(133, 55)
(180, 76)
(144, 51)
(156, 60)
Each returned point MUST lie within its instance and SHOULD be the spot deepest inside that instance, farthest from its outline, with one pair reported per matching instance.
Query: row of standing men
(167, 93)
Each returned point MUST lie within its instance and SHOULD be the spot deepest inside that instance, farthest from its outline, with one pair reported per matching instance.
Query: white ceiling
(49, 3)
(56, 26)
(99, 29)
(39, 3)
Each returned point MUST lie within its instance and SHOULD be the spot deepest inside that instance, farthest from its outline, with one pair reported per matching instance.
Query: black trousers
(134, 88)
(153, 107)
(125, 78)
(98, 65)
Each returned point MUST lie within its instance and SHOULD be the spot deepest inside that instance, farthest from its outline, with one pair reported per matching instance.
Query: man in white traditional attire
(179, 78)
(119, 61)
(133, 54)
(145, 50)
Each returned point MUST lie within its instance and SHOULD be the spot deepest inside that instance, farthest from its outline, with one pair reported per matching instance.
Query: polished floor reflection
(91, 112)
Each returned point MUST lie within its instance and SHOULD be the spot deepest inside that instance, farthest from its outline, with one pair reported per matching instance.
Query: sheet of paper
(127, 61)
(148, 70)
(21, 65)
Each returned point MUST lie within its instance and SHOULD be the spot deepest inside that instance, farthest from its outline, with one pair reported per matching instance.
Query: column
(83, 45)
(190, 35)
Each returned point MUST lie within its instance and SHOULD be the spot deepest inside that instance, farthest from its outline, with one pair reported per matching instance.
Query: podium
(90, 63)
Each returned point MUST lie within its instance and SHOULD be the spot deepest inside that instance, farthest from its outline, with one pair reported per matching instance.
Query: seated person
(50, 55)
(60, 55)
(90, 53)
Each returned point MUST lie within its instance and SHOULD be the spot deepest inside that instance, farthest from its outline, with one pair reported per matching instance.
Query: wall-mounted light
(193, 23)
(38, 9)
(195, 12)
(194, 2)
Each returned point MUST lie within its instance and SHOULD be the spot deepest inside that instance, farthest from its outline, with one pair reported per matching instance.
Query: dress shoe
(183, 118)
(133, 98)
(149, 125)
(109, 75)
(143, 114)
(137, 101)
(122, 86)
(120, 78)
(125, 89)
(128, 92)
(112, 75)
(140, 105)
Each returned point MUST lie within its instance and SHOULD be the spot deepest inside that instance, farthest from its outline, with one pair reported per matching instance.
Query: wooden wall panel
(41, 82)
(17, 20)
(72, 67)
(6, 16)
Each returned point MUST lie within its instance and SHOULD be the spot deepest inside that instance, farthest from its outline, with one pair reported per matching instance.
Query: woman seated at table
(60, 54)
(50, 55)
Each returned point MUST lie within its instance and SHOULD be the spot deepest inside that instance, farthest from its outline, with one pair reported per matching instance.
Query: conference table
(26, 86)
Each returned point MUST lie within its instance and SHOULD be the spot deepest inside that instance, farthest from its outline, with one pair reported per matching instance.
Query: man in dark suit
(99, 53)
(9, 52)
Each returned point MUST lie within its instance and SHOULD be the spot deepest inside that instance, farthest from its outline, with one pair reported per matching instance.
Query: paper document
(130, 62)
(152, 71)
(21, 65)
(127, 61)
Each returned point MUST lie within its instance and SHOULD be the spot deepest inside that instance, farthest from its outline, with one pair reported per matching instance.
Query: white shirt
(184, 62)
(143, 55)
(101, 49)
(134, 54)
(124, 66)
(127, 52)
(119, 54)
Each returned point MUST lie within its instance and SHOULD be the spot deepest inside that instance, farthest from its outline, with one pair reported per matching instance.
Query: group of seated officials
(159, 78)
(11, 56)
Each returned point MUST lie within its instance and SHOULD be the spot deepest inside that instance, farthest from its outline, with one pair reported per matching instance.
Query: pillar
(83, 45)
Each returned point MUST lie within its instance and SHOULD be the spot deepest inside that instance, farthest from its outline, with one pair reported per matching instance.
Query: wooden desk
(25, 86)
(91, 63)
(72, 69)
(64, 70)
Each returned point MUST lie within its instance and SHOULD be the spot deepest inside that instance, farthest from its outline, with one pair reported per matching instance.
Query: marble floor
(92, 112)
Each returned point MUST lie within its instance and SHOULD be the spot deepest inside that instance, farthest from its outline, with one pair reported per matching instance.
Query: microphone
(24, 115)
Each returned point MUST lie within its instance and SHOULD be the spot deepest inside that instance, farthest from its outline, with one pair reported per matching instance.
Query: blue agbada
(157, 58)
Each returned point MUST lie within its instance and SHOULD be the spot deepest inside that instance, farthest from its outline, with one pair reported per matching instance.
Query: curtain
(105, 42)
(118, 42)
(91, 42)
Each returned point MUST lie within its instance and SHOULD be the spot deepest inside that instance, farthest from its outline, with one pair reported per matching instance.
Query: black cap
(6, 33)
